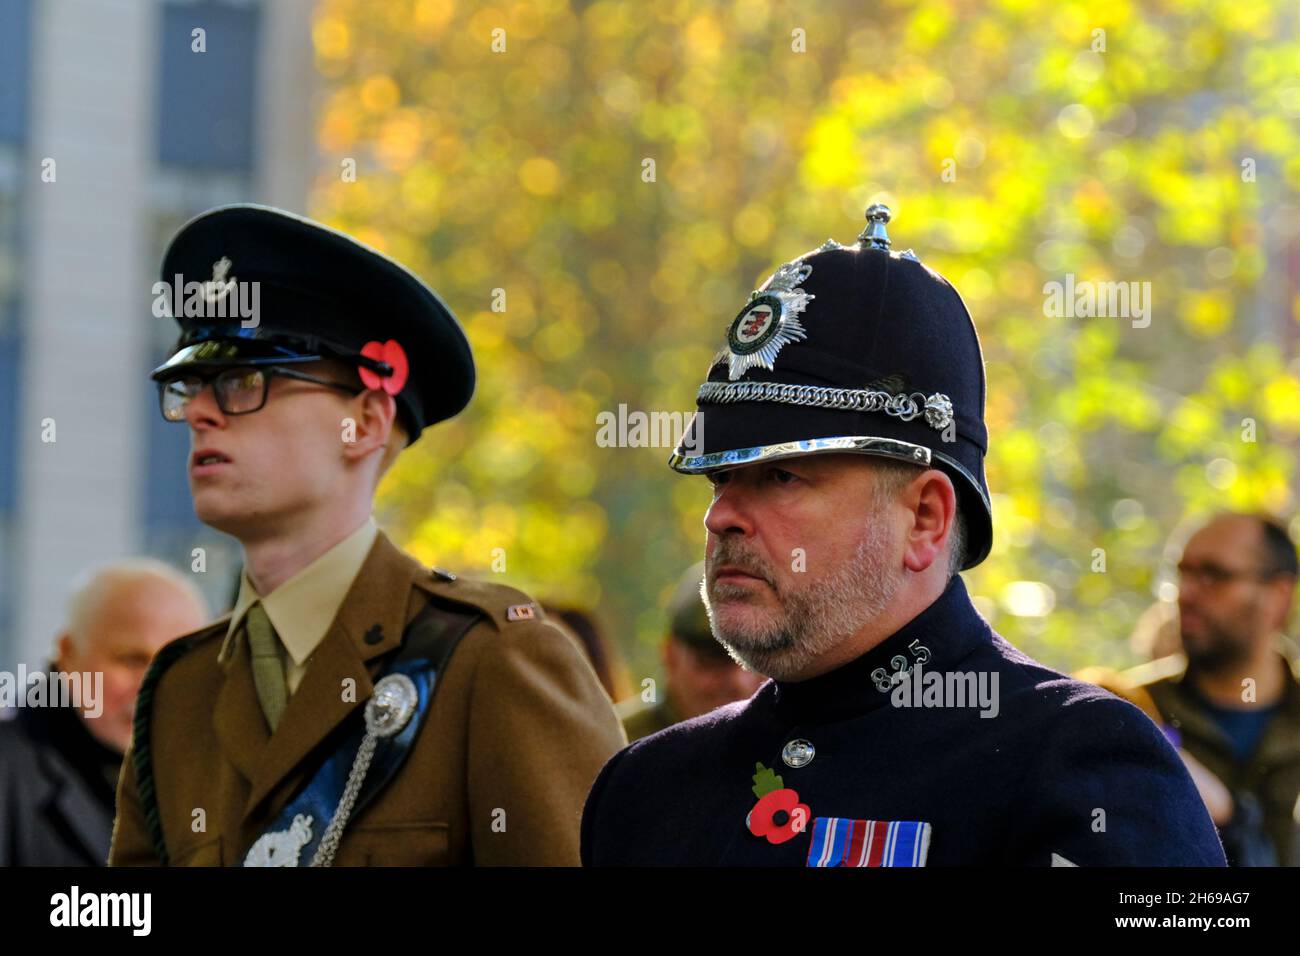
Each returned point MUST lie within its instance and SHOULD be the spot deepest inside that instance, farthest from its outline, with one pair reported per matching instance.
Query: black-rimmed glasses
(1216, 576)
(238, 390)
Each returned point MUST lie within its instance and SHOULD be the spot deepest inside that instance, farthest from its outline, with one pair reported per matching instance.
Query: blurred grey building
(119, 120)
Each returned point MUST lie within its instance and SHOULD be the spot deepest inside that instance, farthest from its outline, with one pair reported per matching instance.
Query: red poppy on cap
(392, 353)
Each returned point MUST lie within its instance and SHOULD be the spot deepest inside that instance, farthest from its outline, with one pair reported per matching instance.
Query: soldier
(356, 707)
(701, 674)
(842, 427)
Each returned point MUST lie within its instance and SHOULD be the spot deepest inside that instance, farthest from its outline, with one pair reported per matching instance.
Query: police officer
(842, 428)
(356, 707)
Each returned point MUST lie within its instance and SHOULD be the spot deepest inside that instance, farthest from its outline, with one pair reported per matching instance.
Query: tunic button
(798, 753)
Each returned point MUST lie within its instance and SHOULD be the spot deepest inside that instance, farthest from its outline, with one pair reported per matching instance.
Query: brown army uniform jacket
(518, 729)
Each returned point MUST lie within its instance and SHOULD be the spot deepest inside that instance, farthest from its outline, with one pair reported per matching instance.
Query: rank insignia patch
(839, 841)
(521, 612)
(769, 321)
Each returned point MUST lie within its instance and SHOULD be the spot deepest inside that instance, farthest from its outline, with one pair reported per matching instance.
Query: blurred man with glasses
(1232, 699)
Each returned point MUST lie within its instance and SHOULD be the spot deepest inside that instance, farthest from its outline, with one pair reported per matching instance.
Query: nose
(202, 411)
(730, 511)
(1190, 597)
(1189, 587)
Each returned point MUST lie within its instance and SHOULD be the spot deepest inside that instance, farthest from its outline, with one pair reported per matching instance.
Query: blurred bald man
(59, 764)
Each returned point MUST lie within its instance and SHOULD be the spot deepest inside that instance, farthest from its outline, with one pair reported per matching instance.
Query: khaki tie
(268, 667)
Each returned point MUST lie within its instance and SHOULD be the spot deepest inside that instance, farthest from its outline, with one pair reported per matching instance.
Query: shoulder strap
(434, 633)
(498, 603)
(427, 645)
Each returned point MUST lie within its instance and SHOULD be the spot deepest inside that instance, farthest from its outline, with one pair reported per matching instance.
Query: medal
(838, 841)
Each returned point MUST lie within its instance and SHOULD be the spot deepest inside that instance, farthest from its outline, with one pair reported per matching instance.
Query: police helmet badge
(769, 321)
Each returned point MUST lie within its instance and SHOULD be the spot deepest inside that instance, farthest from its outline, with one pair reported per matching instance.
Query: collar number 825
(886, 681)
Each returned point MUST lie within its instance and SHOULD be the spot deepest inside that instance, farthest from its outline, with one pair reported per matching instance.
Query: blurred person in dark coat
(59, 764)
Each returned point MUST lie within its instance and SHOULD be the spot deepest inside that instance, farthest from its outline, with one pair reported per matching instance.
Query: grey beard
(812, 620)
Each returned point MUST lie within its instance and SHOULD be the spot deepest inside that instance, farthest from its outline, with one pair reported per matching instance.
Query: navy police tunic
(882, 762)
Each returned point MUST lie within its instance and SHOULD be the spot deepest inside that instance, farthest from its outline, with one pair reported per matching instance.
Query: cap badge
(218, 287)
(769, 321)
(392, 353)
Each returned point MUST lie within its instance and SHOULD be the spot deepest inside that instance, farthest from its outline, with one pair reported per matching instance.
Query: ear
(1282, 591)
(66, 651)
(374, 412)
(931, 504)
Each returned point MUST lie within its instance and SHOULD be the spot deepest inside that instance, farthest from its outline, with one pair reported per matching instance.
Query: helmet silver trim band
(937, 408)
(867, 445)
(714, 461)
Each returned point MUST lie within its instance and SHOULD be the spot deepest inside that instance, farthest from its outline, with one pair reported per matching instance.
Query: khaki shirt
(302, 608)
